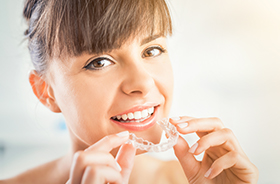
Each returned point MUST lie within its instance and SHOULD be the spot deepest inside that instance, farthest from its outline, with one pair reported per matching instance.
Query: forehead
(141, 40)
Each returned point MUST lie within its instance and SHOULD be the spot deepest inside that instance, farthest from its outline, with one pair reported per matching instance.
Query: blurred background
(226, 60)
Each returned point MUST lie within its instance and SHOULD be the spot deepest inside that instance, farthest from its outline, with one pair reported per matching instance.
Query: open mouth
(138, 120)
(137, 116)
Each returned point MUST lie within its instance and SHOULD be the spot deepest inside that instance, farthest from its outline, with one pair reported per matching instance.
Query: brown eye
(99, 63)
(153, 52)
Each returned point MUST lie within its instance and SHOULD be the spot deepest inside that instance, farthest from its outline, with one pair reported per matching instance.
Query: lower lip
(136, 126)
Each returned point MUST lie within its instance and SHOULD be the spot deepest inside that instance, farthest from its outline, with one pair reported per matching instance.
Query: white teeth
(151, 110)
(144, 113)
(130, 116)
(124, 117)
(137, 115)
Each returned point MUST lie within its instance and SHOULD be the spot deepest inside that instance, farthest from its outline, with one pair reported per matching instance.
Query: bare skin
(91, 90)
(57, 172)
(224, 160)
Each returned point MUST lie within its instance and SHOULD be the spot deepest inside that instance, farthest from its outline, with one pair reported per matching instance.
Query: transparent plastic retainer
(170, 131)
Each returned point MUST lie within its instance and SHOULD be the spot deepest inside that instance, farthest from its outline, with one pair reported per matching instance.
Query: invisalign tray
(171, 133)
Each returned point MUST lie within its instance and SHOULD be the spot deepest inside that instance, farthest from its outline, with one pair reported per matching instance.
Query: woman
(104, 65)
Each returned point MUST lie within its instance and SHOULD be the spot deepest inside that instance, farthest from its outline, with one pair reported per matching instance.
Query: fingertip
(128, 147)
(123, 134)
(208, 173)
(193, 148)
(176, 118)
(182, 125)
(212, 172)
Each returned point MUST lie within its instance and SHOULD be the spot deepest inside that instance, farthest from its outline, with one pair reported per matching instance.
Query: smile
(140, 119)
(137, 116)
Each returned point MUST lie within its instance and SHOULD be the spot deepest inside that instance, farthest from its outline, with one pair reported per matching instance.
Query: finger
(189, 164)
(101, 174)
(82, 159)
(239, 165)
(223, 138)
(125, 158)
(109, 142)
(204, 125)
(180, 119)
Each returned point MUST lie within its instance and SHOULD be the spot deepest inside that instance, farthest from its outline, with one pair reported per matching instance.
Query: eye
(99, 63)
(153, 51)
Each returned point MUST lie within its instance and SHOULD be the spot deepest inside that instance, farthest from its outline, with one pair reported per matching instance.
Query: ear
(43, 91)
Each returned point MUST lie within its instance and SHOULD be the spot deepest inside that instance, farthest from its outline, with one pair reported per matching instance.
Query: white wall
(226, 57)
(226, 62)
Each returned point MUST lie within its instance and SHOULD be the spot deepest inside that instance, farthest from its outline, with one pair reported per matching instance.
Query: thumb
(125, 158)
(188, 162)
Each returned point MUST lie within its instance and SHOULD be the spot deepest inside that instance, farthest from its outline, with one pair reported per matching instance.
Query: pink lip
(139, 107)
(136, 126)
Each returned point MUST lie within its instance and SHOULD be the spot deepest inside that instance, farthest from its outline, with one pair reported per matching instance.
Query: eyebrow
(149, 39)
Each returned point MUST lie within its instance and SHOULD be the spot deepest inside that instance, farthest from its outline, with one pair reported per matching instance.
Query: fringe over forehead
(93, 26)
(97, 26)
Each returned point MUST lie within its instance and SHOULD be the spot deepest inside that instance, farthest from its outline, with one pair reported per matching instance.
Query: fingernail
(182, 125)
(123, 134)
(193, 148)
(175, 118)
(207, 174)
(119, 167)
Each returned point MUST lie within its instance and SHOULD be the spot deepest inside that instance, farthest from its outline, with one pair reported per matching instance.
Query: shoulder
(148, 169)
(50, 172)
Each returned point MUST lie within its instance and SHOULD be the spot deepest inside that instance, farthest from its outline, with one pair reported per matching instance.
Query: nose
(138, 81)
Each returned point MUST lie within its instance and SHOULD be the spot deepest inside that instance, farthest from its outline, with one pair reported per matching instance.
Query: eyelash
(88, 66)
(161, 49)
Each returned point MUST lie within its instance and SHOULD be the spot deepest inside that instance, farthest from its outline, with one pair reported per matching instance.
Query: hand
(97, 165)
(224, 160)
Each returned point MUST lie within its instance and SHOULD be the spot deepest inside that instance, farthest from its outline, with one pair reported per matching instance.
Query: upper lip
(139, 108)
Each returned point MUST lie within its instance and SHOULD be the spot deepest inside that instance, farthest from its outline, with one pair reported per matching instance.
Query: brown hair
(92, 26)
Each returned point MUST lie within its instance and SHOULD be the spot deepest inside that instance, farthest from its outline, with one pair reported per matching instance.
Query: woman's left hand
(224, 160)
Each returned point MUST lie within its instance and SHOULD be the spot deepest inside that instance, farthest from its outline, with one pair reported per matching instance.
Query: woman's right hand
(97, 165)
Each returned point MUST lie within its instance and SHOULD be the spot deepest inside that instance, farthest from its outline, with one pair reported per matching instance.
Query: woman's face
(126, 89)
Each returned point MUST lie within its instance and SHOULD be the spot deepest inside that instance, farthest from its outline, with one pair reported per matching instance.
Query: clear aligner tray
(170, 131)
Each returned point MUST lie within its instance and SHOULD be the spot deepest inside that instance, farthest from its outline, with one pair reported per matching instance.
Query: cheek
(84, 106)
(169, 85)
(165, 83)
(169, 80)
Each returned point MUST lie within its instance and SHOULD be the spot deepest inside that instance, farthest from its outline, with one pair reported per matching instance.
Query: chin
(153, 135)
